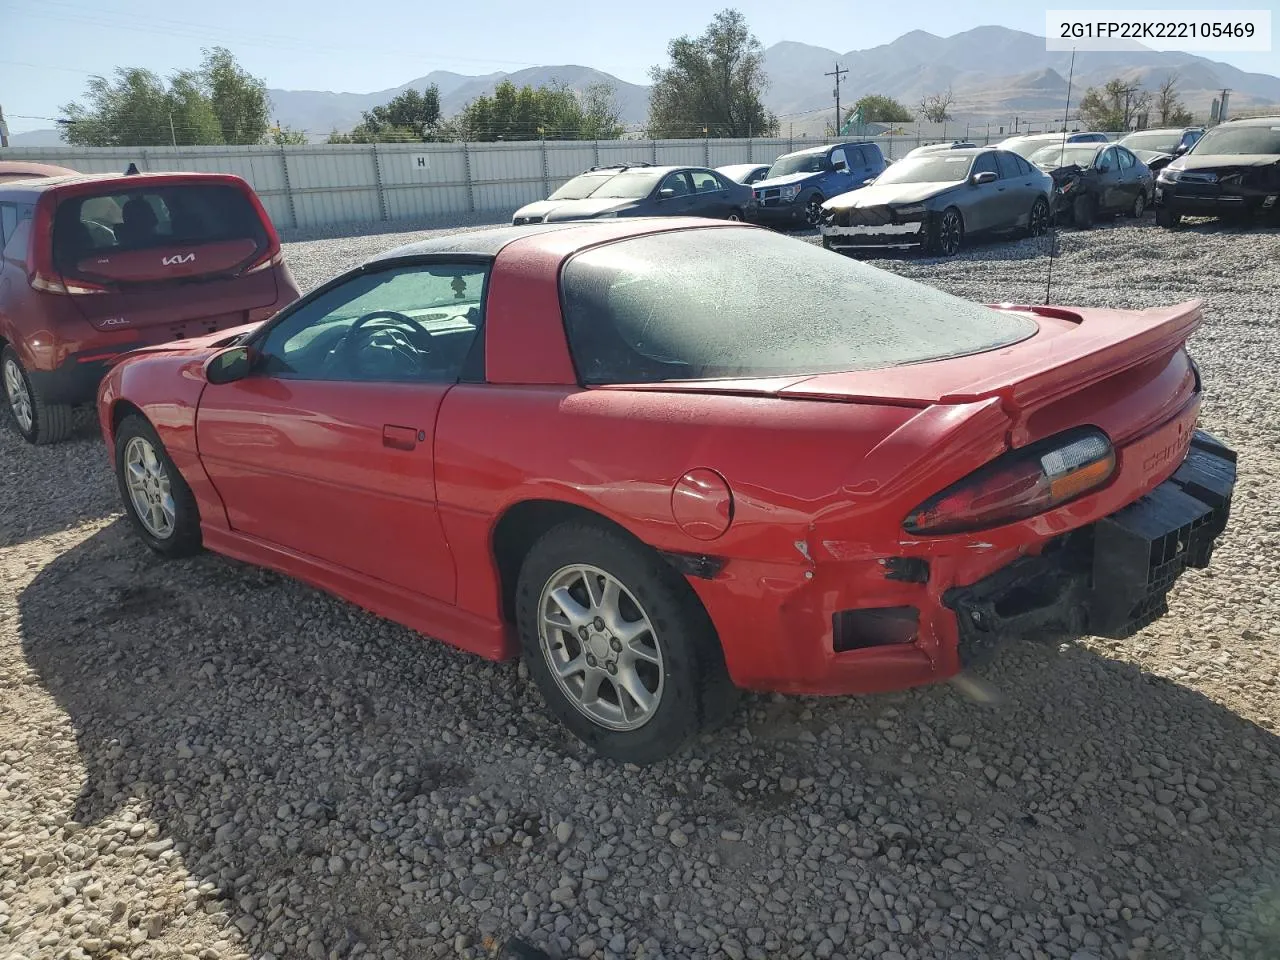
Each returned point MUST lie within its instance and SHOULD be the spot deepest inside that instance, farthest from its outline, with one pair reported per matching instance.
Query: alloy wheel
(601, 647)
(1139, 206)
(1039, 218)
(15, 385)
(949, 234)
(813, 212)
(149, 488)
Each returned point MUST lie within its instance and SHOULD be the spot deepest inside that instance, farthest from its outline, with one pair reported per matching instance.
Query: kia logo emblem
(178, 258)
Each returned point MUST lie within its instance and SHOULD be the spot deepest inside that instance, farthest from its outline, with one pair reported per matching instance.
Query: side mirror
(229, 365)
(1180, 149)
(986, 176)
(869, 180)
(1105, 168)
(842, 167)
(666, 193)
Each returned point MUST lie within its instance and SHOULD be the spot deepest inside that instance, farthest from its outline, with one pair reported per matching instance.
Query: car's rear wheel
(156, 497)
(1139, 205)
(1038, 222)
(622, 651)
(1167, 218)
(38, 422)
(735, 215)
(1083, 212)
(946, 233)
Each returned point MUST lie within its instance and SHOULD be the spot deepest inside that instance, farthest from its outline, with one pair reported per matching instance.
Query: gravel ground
(200, 759)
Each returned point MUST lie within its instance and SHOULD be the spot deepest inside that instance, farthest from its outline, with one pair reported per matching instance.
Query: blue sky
(51, 46)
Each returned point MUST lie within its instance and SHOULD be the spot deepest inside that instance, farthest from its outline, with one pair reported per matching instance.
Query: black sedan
(1093, 179)
(936, 200)
(1233, 172)
(642, 190)
(1158, 148)
(747, 173)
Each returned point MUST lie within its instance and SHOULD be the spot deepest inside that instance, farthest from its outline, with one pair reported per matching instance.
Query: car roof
(1138, 133)
(625, 167)
(1254, 121)
(819, 149)
(489, 242)
(48, 183)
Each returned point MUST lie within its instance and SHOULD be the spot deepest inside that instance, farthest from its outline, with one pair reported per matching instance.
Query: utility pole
(1222, 108)
(4, 130)
(838, 73)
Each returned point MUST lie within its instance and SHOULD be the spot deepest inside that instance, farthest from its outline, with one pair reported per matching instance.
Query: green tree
(283, 136)
(216, 104)
(408, 117)
(714, 83)
(877, 108)
(551, 112)
(137, 108)
(239, 99)
(1115, 106)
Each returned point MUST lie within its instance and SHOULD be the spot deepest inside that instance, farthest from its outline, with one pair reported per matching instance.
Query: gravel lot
(200, 759)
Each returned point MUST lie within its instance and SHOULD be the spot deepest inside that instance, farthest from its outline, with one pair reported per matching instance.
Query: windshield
(928, 168)
(1157, 141)
(1058, 156)
(799, 163)
(1239, 140)
(630, 185)
(714, 303)
(581, 187)
(1025, 148)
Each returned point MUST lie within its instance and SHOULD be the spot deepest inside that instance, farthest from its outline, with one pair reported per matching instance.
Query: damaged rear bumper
(1112, 578)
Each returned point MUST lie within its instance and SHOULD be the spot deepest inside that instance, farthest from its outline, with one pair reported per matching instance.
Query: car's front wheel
(1167, 218)
(622, 651)
(156, 497)
(38, 422)
(1083, 212)
(946, 233)
(813, 210)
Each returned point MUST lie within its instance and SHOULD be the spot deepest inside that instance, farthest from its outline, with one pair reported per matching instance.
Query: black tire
(1083, 211)
(1139, 206)
(813, 210)
(1167, 218)
(946, 233)
(49, 422)
(1038, 219)
(184, 539)
(735, 215)
(696, 692)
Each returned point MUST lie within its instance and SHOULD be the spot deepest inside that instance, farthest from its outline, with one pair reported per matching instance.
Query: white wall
(330, 184)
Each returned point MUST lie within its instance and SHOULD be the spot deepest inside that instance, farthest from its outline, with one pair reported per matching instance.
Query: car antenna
(1053, 219)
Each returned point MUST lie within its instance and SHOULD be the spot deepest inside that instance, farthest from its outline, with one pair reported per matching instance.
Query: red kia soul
(93, 266)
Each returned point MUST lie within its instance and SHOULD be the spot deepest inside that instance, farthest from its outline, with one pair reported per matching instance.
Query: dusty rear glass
(712, 303)
(1239, 141)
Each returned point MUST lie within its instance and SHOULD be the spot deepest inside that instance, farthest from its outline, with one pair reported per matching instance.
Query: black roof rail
(625, 165)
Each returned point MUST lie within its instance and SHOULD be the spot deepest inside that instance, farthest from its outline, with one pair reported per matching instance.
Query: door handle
(401, 438)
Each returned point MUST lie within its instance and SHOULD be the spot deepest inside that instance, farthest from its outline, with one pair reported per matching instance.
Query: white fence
(332, 184)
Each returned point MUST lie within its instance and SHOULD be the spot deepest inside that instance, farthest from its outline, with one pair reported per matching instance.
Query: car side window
(1107, 159)
(1024, 167)
(1126, 158)
(404, 324)
(838, 157)
(1006, 165)
(8, 222)
(704, 181)
(17, 230)
(985, 163)
(677, 183)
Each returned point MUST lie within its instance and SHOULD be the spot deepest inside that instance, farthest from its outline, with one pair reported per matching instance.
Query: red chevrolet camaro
(666, 460)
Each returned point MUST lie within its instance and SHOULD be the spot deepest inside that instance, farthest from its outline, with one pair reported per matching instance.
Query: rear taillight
(1019, 484)
(53, 284)
(265, 262)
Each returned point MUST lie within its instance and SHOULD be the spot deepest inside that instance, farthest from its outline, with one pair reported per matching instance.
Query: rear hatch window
(714, 303)
(157, 234)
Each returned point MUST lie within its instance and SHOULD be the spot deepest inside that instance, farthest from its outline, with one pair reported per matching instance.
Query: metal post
(466, 163)
(546, 171)
(377, 179)
(595, 148)
(653, 146)
(288, 187)
(4, 130)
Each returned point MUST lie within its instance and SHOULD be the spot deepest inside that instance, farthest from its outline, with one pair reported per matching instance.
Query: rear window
(714, 303)
(181, 215)
(1239, 141)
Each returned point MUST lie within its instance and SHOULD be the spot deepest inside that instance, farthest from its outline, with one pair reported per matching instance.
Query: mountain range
(994, 74)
